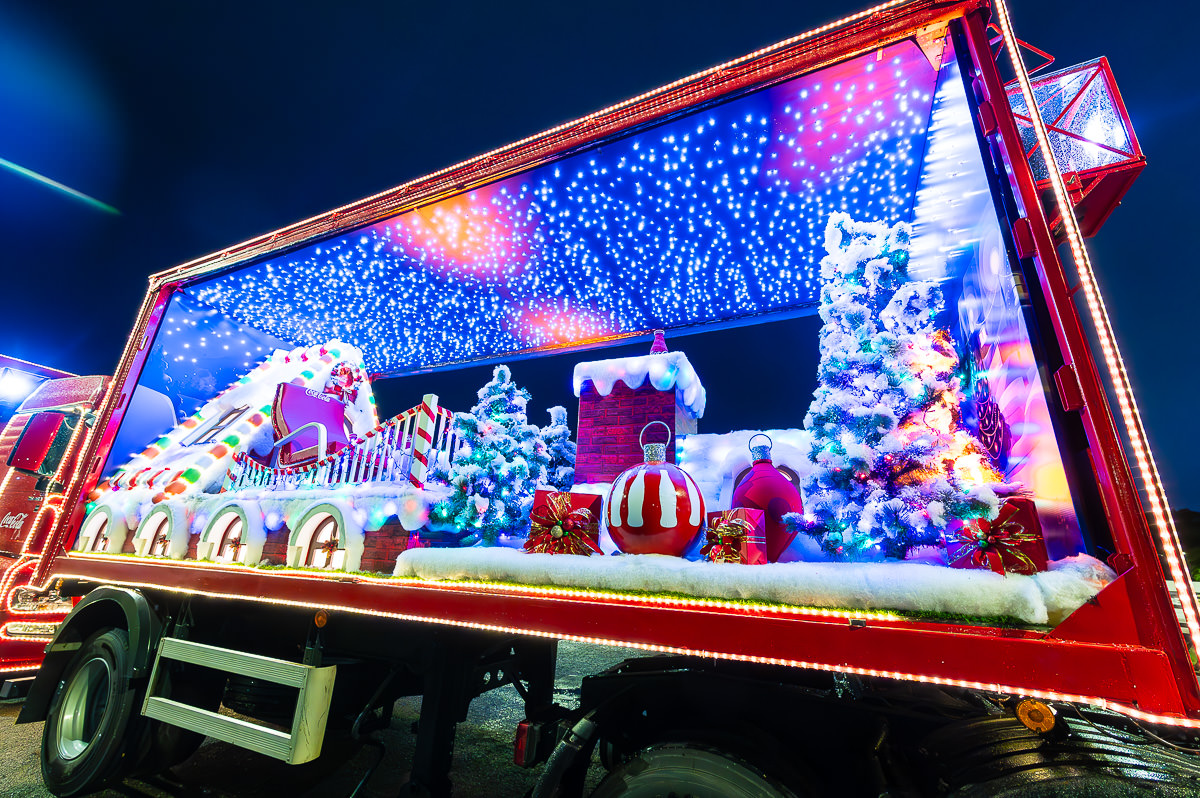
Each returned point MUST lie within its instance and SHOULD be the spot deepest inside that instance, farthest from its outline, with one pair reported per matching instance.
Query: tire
(679, 770)
(92, 719)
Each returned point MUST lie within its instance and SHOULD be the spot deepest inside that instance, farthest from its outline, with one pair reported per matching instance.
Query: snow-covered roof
(665, 371)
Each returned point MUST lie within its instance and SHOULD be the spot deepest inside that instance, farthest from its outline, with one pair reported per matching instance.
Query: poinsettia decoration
(1010, 543)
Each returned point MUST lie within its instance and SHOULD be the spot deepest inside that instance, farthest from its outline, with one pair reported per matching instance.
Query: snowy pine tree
(891, 461)
(493, 480)
(560, 472)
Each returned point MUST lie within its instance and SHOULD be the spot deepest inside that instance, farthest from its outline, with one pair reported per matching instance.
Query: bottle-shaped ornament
(766, 488)
(654, 507)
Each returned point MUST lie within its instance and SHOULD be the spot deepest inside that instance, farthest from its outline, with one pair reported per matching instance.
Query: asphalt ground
(482, 753)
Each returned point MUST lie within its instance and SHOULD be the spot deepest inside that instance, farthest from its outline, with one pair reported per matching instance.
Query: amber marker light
(1037, 716)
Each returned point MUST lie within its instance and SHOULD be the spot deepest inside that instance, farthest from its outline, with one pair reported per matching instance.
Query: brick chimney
(618, 397)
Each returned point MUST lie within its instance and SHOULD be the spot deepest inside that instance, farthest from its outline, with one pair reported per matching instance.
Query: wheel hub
(83, 707)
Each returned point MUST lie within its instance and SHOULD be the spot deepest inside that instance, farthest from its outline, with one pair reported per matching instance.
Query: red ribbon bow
(987, 544)
(557, 529)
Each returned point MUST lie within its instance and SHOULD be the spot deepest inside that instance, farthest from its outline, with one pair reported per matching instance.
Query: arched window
(93, 537)
(229, 540)
(157, 535)
(324, 545)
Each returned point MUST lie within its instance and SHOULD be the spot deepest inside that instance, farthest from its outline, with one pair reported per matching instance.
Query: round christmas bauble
(766, 488)
(654, 507)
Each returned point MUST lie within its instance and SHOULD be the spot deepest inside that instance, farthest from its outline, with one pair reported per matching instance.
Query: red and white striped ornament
(654, 507)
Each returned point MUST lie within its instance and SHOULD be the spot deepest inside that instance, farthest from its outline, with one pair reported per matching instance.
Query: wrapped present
(736, 536)
(564, 523)
(1010, 543)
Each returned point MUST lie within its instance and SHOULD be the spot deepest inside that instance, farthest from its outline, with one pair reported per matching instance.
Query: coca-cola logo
(13, 521)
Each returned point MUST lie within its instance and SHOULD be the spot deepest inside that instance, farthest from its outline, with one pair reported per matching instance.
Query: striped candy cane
(423, 440)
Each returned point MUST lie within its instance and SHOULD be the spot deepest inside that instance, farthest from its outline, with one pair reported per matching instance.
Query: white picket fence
(385, 454)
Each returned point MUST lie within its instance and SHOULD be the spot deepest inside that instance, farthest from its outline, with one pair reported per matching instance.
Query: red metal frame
(1124, 650)
(1143, 585)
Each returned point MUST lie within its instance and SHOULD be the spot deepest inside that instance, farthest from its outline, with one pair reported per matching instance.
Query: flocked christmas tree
(494, 480)
(560, 472)
(891, 462)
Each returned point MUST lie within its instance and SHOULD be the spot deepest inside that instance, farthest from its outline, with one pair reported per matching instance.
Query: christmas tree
(892, 463)
(494, 477)
(560, 472)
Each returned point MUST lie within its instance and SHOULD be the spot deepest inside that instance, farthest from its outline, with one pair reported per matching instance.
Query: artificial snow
(664, 371)
(1040, 599)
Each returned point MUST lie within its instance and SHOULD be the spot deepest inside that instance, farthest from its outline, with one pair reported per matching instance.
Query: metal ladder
(315, 684)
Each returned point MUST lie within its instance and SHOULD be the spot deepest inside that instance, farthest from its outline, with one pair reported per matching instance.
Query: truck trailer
(931, 555)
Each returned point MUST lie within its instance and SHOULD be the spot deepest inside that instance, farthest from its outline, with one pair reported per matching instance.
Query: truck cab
(38, 449)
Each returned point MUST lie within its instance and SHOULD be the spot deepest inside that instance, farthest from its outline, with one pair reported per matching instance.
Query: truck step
(315, 685)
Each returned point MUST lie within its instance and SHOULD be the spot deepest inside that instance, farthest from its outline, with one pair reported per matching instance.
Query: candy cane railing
(402, 449)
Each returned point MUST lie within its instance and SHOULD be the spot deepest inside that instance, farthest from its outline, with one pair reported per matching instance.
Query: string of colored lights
(1122, 387)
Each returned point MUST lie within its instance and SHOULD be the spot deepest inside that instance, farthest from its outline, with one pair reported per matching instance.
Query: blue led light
(713, 216)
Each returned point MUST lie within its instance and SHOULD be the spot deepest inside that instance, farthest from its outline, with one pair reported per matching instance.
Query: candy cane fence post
(423, 439)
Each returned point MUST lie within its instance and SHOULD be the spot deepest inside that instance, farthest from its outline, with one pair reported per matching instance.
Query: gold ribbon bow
(554, 528)
(723, 540)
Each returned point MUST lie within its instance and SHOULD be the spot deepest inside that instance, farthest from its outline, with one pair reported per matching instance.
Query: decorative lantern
(766, 488)
(654, 507)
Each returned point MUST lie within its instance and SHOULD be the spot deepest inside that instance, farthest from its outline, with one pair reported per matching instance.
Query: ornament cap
(761, 452)
(654, 452)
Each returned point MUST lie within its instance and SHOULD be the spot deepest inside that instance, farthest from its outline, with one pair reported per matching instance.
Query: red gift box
(1010, 543)
(736, 536)
(564, 523)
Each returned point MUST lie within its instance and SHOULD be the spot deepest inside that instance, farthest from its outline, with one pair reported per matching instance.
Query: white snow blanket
(1043, 599)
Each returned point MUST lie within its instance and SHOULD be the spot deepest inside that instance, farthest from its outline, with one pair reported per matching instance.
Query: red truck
(953, 580)
(50, 415)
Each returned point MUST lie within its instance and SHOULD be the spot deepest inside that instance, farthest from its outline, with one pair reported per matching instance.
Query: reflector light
(1036, 715)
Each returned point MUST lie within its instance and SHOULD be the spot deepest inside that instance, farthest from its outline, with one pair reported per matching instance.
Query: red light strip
(1122, 387)
(1167, 720)
(22, 668)
(494, 587)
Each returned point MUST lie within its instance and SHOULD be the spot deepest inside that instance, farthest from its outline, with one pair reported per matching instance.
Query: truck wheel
(679, 770)
(85, 739)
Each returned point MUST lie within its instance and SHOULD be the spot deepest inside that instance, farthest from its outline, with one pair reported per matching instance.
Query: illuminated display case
(732, 215)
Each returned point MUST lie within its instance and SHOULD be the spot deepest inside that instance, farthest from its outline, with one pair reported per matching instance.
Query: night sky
(205, 124)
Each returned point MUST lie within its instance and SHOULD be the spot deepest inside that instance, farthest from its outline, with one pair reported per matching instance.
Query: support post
(449, 665)
(423, 440)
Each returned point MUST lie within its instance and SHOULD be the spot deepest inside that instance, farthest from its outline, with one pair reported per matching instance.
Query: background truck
(47, 414)
(972, 593)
